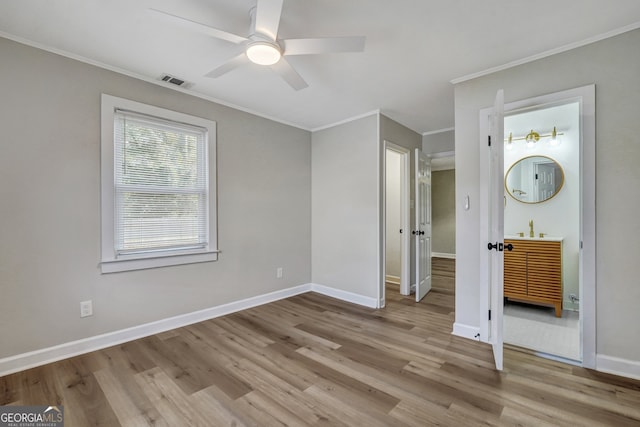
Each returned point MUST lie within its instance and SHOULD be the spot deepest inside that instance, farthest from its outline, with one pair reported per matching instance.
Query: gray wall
(345, 204)
(347, 186)
(50, 211)
(613, 65)
(443, 211)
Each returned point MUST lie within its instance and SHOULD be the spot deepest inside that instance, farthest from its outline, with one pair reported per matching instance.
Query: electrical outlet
(279, 273)
(86, 308)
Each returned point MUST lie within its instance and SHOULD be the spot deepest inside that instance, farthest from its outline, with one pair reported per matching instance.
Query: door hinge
(489, 138)
(489, 314)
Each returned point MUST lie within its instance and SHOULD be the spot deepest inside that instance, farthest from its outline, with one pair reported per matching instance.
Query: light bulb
(532, 138)
(554, 141)
(510, 141)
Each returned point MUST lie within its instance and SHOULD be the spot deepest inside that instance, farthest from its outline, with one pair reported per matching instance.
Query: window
(158, 187)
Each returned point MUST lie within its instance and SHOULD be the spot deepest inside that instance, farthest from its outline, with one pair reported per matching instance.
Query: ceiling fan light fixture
(263, 53)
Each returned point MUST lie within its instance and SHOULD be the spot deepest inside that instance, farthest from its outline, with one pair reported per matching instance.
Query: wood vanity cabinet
(533, 272)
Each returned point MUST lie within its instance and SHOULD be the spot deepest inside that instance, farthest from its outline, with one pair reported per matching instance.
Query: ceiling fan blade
(267, 17)
(289, 74)
(323, 45)
(201, 28)
(231, 64)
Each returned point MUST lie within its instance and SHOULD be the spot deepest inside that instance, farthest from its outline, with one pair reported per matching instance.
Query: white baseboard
(345, 296)
(617, 366)
(20, 362)
(466, 331)
(392, 279)
(442, 255)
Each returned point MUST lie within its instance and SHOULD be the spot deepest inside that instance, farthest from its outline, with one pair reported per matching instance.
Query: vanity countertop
(549, 238)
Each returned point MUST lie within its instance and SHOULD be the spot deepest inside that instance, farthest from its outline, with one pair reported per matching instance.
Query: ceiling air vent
(175, 81)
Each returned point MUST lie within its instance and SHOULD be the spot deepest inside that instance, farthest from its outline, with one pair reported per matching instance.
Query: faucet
(531, 233)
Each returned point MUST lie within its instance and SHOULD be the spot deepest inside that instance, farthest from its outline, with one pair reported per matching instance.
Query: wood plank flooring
(312, 360)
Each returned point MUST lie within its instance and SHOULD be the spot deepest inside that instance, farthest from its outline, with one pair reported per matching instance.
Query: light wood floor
(314, 360)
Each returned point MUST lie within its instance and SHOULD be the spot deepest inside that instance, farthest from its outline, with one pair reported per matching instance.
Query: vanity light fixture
(532, 138)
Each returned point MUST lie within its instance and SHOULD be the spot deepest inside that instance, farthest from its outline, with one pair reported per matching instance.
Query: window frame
(111, 262)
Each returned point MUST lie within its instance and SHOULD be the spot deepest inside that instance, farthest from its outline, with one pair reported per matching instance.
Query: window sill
(115, 266)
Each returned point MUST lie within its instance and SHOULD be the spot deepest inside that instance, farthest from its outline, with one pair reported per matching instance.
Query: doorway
(396, 219)
(542, 197)
(492, 263)
(443, 203)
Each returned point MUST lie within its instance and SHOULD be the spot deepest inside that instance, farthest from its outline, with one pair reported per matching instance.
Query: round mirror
(534, 179)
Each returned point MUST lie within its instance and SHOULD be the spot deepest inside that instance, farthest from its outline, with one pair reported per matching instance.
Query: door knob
(421, 233)
(508, 247)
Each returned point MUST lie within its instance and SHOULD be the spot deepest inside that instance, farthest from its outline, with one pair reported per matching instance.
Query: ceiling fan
(263, 46)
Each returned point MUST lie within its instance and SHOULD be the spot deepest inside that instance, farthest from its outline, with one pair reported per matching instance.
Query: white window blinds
(161, 185)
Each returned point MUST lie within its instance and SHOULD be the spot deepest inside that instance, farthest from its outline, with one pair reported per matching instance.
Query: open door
(495, 245)
(422, 230)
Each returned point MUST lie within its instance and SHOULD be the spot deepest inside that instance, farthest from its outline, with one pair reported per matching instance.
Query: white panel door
(496, 228)
(544, 177)
(422, 232)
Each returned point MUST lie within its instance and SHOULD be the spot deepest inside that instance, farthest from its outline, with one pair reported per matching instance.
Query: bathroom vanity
(533, 271)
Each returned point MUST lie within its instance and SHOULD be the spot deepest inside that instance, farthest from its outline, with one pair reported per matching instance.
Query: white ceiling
(414, 48)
